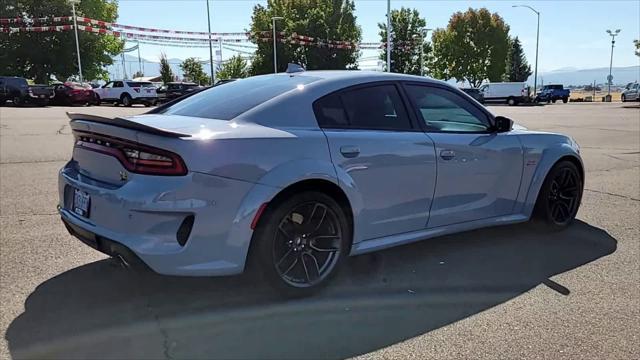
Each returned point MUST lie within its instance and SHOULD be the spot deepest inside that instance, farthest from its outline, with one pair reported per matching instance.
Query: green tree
(517, 67)
(39, 55)
(321, 19)
(407, 38)
(192, 69)
(637, 45)
(473, 47)
(137, 74)
(166, 74)
(234, 68)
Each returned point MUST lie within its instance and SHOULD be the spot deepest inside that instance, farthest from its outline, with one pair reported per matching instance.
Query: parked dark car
(20, 92)
(72, 93)
(553, 93)
(475, 93)
(174, 90)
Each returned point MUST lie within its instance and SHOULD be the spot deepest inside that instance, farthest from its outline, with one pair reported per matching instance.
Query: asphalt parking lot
(506, 292)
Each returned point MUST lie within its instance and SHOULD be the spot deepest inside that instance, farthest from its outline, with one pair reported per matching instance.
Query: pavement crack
(613, 194)
(30, 162)
(59, 132)
(166, 346)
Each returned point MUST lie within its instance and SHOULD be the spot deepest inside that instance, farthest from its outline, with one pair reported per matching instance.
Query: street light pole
(613, 35)
(213, 75)
(75, 29)
(275, 57)
(388, 35)
(535, 72)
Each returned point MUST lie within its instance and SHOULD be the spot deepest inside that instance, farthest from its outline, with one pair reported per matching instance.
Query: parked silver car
(288, 174)
(631, 93)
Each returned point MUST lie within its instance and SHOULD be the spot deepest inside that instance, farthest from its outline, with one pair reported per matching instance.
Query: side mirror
(502, 124)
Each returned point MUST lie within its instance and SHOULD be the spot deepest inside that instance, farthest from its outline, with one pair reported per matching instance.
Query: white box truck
(510, 93)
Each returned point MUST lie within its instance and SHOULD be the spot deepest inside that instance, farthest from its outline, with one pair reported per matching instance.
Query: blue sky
(572, 33)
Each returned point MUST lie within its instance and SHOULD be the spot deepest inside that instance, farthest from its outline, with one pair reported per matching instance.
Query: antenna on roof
(294, 68)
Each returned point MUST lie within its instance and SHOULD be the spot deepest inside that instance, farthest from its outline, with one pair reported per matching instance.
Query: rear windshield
(139, 84)
(228, 101)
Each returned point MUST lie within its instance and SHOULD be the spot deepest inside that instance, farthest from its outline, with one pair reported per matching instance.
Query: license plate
(81, 203)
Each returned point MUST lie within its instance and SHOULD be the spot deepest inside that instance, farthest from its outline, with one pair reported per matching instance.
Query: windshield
(231, 100)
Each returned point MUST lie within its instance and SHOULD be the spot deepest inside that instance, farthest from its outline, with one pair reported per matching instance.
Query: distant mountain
(621, 76)
(566, 76)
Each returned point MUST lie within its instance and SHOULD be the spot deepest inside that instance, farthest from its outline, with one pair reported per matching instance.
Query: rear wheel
(565, 100)
(125, 99)
(17, 101)
(301, 242)
(560, 196)
(511, 101)
(97, 100)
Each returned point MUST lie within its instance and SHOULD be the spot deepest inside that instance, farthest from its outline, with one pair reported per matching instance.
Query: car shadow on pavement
(100, 310)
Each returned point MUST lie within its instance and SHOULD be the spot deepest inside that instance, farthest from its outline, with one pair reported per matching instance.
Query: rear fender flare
(277, 180)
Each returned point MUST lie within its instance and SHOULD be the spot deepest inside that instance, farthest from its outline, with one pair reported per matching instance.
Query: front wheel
(565, 100)
(301, 242)
(511, 102)
(560, 196)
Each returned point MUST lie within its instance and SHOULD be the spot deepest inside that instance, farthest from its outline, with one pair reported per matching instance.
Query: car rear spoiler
(124, 123)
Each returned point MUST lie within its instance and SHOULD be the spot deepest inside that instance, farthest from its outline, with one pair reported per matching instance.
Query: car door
(103, 91)
(378, 146)
(117, 90)
(479, 170)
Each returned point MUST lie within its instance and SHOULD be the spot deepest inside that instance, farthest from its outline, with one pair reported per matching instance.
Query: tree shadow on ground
(102, 311)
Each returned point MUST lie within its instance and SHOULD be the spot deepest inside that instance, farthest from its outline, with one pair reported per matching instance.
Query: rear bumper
(144, 215)
(144, 99)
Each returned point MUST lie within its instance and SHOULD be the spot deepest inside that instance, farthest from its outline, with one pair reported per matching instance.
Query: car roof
(361, 75)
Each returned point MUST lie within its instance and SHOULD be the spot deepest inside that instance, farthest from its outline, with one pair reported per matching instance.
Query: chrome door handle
(447, 154)
(350, 151)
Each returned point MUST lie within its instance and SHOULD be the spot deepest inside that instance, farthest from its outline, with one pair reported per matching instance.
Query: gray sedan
(289, 174)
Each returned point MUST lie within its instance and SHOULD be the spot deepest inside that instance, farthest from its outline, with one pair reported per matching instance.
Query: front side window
(108, 85)
(377, 107)
(444, 110)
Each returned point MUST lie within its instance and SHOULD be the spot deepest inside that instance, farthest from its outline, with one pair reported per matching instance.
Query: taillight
(136, 89)
(137, 158)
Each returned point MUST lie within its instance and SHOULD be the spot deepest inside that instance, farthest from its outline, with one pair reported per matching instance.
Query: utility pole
(139, 60)
(213, 76)
(75, 29)
(275, 58)
(613, 35)
(535, 73)
(388, 35)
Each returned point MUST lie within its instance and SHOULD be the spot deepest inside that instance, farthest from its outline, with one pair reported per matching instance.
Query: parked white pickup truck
(128, 92)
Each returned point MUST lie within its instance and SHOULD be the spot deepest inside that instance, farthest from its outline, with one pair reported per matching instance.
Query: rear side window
(227, 102)
(139, 84)
(118, 84)
(375, 107)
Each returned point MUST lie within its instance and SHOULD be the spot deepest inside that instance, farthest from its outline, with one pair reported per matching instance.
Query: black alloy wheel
(301, 242)
(560, 195)
(307, 244)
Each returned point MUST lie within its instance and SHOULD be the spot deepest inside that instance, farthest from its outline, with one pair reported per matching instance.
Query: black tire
(512, 102)
(17, 100)
(559, 197)
(285, 249)
(565, 100)
(98, 101)
(125, 99)
(554, 100)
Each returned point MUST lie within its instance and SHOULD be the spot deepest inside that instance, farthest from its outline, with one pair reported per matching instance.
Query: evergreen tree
(166, 74)
(518, 69)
